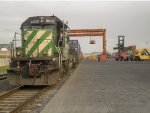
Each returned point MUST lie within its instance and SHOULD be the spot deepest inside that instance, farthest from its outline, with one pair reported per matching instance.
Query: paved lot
(112, 87)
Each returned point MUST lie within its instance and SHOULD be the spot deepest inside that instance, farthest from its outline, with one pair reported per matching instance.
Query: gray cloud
(119, 18)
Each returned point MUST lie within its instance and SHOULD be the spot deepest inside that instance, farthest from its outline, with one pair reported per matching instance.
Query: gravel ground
(5, 86)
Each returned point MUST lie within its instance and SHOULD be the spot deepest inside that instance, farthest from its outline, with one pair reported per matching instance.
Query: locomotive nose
(38, 42)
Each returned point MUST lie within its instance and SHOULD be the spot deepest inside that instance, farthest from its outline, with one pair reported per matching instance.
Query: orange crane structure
(91, 32)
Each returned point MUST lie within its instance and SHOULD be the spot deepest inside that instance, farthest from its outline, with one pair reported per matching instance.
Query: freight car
(78, 54)
(43, 57)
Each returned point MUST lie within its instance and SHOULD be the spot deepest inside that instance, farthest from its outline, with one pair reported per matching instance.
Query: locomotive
(43, 57)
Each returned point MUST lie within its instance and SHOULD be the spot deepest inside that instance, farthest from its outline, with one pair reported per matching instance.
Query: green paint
(38, 42)
(22, 35)
(51, 44)
(46, 48)
(30, 38)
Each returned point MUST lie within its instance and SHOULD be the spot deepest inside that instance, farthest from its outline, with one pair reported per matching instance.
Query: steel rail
(7, 94)
(27, 97)
(30, 100)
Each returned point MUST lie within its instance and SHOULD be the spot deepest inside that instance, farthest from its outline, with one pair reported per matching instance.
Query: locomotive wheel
(62, 72)
(73, 65)
(67, 66)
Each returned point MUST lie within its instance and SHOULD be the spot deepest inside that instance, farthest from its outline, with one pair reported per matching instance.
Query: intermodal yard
(98, 62)
(99, 87)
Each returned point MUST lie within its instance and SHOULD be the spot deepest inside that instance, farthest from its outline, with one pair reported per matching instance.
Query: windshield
(39, 27)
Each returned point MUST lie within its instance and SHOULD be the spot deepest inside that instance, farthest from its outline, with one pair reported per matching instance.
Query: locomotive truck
(43, 57)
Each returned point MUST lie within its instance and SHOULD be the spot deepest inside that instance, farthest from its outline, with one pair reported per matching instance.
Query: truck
(142, 54)
(122, 56)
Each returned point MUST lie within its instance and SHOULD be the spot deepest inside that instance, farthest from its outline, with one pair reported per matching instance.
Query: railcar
(43, 57)
(78, 55)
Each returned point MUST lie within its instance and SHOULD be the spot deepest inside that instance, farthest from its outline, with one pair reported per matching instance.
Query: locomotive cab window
(49, 27)
(36, 27)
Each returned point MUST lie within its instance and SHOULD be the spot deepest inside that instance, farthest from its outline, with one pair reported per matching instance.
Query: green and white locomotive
(43, 57)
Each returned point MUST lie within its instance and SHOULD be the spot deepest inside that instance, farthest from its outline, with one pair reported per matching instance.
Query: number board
(42, 20)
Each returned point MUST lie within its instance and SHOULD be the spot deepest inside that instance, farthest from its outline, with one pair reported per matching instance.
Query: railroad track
(16, 100)
(29, 99)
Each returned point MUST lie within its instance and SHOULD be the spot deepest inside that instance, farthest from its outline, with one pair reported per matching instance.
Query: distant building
(4, 54)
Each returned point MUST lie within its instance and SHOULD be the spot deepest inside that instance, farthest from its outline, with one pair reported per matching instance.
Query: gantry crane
(91, 32)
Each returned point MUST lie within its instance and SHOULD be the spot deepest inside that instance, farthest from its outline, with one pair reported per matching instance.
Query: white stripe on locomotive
(33, 41)
(42, 45)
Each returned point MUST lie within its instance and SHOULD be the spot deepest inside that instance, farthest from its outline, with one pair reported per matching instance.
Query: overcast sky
(131, 19)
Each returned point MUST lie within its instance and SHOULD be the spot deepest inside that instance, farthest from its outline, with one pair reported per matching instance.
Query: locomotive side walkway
(111, 87)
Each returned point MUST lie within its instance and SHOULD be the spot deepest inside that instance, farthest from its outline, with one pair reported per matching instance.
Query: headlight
(54, 59)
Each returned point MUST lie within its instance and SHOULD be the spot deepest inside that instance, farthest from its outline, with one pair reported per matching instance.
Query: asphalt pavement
(111, 87)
